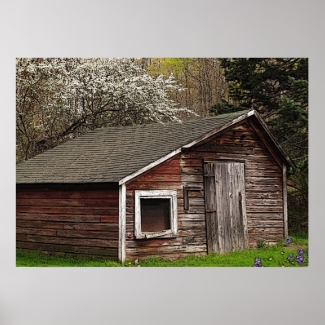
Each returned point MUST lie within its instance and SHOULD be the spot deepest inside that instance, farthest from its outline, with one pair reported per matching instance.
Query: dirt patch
(296, 247)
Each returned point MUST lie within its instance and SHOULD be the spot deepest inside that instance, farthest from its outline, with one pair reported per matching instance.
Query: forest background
(59, 99)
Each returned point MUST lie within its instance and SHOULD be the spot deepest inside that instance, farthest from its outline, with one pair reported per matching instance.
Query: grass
(35, 258)
(270, 256)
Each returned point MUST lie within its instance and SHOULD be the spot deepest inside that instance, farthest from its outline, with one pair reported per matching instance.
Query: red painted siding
(166, 176)
(81, 222)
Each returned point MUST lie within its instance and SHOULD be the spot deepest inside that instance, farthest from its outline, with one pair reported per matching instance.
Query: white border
(154, 194)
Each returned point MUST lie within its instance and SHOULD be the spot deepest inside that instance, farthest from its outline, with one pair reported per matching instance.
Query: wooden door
(225, 206)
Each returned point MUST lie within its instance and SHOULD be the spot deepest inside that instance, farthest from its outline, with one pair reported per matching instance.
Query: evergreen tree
(278, 89)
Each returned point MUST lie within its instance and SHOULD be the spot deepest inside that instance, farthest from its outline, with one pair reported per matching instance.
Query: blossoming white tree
(58, 99)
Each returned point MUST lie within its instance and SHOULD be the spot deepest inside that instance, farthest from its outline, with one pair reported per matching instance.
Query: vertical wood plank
(210, 204)
(122, 223)
(285, 202)
(230, 206)
(243, 205)
(236, 227)
(221, 205)
(226, 206)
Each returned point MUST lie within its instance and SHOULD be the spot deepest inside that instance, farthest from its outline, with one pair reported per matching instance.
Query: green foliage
(224, 107)
(166, 66)
(298, 196)
(262, 244)
(202, 79)
(278, 89)
(175, 66)
(299, 238)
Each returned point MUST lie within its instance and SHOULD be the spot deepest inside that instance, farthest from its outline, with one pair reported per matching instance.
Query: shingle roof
(112, 153)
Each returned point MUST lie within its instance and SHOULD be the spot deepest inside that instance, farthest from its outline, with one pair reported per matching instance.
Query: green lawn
(272, 256)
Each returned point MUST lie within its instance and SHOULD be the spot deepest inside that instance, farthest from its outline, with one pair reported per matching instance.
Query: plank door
(225, 206)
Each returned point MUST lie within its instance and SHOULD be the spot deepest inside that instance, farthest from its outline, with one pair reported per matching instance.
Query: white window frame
(156, 194)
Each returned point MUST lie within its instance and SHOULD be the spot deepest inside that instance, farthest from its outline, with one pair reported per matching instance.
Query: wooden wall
(166, 176)
(84, 220)
(263, 180)
(74, 221)
(264, 198)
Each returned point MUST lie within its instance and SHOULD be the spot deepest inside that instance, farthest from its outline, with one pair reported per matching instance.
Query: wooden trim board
(122, 223)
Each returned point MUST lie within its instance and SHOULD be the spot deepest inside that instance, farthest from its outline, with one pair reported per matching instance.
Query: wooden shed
(215, 184)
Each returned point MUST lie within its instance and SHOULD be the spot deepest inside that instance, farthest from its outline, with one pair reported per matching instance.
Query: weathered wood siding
(263, 180)
(264, 196)
(225, 206)
(74, 221)
(189, 239)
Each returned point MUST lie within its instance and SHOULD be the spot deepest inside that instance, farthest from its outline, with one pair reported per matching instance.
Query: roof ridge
(168, 123)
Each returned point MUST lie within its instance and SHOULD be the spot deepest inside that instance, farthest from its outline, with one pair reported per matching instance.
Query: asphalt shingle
(112, 153)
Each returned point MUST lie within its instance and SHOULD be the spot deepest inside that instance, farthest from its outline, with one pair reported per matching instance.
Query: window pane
(155, 214)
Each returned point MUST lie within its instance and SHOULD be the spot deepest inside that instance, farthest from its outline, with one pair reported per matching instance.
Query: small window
(155, 214)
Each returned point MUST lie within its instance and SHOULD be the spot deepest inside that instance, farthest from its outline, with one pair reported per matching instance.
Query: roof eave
(146, 168)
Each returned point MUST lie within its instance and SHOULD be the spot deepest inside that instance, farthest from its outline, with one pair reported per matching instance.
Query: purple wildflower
(300, 251)
(290, 257)
(257, 262)
(300, 259)
(288, 241)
